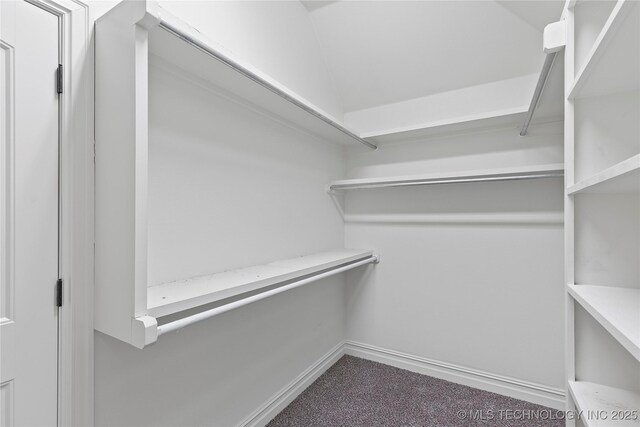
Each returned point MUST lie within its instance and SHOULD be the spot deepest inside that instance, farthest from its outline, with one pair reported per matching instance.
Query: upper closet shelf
(502, 174)
(623, 177)
(495, 119)
(179, 44)
(616, 309)
(613, 63)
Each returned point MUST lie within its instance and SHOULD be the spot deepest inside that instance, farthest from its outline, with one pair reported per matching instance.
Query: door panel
(29, 215)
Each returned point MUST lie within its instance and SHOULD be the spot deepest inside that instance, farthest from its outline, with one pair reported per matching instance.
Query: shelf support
(145, 329)
(554, 40)
(542, 81)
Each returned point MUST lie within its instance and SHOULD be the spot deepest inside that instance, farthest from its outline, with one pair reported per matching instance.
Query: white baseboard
(511, 387)
(261, 416)
(506, 386)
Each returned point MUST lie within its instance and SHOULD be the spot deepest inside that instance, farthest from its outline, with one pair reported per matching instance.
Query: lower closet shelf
(616, 309)
(180, 295)
(602, 406)
(199, 298)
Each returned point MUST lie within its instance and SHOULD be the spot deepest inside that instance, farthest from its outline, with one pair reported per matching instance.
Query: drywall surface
(460, 152)
(488, 98)
(276, 37)
(383, 52)
(228, 187)
(471, 274)
(218, 372)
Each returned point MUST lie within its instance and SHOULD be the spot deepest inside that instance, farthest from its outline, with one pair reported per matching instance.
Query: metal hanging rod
(189, 320)
(542, 81)
(261, 81)
(409, 182)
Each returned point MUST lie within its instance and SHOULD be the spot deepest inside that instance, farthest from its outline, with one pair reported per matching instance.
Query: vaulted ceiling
(382, 52)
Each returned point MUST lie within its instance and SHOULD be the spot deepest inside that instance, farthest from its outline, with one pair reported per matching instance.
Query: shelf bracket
(144, 331)
(555, 37)
(553, 41)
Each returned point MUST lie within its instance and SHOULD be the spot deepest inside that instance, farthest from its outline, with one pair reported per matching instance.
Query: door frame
(76, 178)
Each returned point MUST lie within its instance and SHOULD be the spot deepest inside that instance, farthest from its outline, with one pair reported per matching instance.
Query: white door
(28, 215)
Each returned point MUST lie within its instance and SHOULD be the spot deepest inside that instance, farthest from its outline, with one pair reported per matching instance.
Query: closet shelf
(249, 298)
(180, 295)
(130, 38)
(177, 43)
(613, 63)
(172, 306)
(616, 309)
(596, 401)
(623, 177)
(489, 175)
(502, 118)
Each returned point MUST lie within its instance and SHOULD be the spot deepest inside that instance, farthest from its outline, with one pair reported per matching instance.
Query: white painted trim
(506, 386)
(77, 206)
(7, 192)
(265, 413)
(75, 317)
(569, 209)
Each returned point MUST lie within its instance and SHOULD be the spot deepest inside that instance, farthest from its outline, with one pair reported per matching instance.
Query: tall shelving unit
(602, 212)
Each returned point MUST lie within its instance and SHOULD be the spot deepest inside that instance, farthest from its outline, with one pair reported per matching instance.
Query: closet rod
(542, 81)
(259, 80)
(409, 183)
(186, 321)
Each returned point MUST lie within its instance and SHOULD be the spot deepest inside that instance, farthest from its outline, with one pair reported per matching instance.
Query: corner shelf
(180, 295)
(607, 68)
(595, 400)
(502, 118)
(623, 177)
(488, 175)
(616, 309)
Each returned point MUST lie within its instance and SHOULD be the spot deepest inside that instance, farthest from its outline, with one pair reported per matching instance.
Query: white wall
(488, 98)
(471, 274)
(466, 151)
(276, 37)
(383, 52)
(259, 195)
(230, 188)
(225, 180)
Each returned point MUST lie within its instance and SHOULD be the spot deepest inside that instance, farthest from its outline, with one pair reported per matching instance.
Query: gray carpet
(360, 393)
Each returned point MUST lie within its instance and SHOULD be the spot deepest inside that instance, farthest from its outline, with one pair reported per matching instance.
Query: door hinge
(59, 79)
(59, 293)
